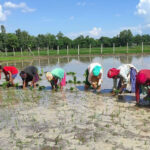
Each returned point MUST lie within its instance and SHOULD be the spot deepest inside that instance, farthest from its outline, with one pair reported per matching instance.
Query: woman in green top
(56, 75)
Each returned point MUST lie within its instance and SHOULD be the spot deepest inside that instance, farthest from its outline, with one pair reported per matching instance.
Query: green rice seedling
(41, 88)
(78, 82)
(17, 85)
(71, 73)
(70, 81)
(37, 84)
(71, 89)
(84, 81)
(75, 79)
(40, 74)
(5, 84)
(57, 140)
(42, 71)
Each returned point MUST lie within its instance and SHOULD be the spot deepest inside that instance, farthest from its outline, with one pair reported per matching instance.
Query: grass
(63, 52)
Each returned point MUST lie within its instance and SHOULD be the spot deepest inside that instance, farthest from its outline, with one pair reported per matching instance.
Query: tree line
(22, 39)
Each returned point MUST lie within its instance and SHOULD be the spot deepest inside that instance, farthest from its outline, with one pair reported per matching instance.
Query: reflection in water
(78, 64)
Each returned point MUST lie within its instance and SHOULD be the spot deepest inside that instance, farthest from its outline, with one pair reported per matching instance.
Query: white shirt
(90, 70)
(124, 73)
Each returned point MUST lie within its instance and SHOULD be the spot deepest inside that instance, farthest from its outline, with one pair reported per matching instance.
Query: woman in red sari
(143, 83)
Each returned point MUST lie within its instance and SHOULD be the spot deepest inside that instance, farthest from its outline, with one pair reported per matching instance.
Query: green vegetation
(20, 43)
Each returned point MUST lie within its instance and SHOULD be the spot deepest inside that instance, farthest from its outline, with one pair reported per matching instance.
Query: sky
(73, 18)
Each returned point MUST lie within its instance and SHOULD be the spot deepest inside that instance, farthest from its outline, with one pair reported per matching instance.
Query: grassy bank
(82, 51)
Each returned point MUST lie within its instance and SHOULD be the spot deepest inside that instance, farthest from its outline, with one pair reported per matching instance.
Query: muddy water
(69, 120)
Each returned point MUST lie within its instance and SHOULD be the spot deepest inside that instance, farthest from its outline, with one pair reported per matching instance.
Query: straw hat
(49, 76)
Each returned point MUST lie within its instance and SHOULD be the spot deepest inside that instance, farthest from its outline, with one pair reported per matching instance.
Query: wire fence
(128, 49)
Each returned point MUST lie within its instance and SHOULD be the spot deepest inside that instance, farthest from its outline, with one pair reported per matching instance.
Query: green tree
(125, 37)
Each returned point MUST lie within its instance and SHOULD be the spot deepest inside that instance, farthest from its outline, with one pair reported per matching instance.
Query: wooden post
(48, 51)
(6, 51)
(21, 52)
(78, 50)
(127, 48)
(67, 50)
(90, 49)
(57, 50)
(58, 60)
(38, 51)
(142, 47)
(14, 51)
(113, 48)
(101, 48)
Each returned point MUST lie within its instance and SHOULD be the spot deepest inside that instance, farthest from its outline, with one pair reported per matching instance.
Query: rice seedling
(41, 88)
(75, 79)
(70, 81)
(71, 73)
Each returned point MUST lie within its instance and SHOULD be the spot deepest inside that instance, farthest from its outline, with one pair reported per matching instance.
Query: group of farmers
(127, 74)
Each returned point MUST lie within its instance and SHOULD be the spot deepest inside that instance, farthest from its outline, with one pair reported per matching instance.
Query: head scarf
(96, 70)
(49, 76)
(23, 74)
(141, 78)
(113, 72)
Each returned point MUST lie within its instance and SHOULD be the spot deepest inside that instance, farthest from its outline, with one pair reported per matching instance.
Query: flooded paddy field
(73, 119)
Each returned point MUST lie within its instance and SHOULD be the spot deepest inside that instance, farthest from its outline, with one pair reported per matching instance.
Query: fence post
(21, 51)
(38, 51)
(6, 51)
(78, 50)
(113, 48)
(57, 50)
(90, 49)
(14, 51)
(101, 48)
(48, 51)
(127, 48)
(142, 47)
(67, 50)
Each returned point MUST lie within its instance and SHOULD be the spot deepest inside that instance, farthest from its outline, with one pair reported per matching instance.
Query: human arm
(24, 84)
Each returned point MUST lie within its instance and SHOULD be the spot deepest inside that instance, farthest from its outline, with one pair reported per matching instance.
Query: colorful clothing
(143, 83)
(90, 72)
(60, 75)
(124, 75)
(30, 73)
(11, 69)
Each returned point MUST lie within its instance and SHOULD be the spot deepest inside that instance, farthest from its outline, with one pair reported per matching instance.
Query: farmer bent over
(57, 77)
(10, 73)
(93, 75)
(127, 76)
(30, 73)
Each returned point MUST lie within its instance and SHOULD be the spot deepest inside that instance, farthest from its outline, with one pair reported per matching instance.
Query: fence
(128, 49)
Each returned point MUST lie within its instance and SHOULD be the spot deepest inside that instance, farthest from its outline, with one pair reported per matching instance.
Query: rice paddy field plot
(69, 120)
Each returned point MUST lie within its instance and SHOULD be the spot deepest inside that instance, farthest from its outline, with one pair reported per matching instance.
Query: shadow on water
(126, 98)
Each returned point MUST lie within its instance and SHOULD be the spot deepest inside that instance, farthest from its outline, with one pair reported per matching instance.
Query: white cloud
(81, 3)
(95, 32)
(3, 14)
(143, 9)
(24, 8)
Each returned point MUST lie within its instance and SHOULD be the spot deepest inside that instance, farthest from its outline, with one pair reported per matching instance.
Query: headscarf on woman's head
(141, 78)
(113, 72)
(23, 75)
(96, 70)
(49, 76)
